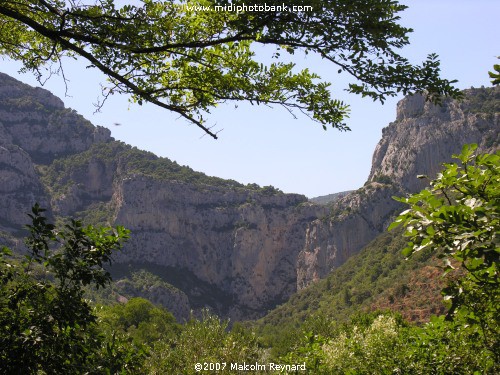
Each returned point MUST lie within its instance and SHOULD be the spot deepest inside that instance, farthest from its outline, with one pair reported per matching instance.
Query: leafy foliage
(365, 349)
(459, 217)
(140, 320)
(188, 56)
(206, 340)
(447, 347)
(495, 75)
(45, 323)
(382, 343)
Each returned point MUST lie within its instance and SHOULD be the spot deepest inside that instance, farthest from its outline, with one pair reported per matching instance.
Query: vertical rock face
(353, 222)
(417, 143)
(237, 249)
(243, 243)
(425, 135)
(20, 187)
(37, 121)
(229, 247)
(34, 129)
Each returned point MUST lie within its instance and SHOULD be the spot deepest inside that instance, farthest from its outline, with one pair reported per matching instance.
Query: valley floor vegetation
(48, 326)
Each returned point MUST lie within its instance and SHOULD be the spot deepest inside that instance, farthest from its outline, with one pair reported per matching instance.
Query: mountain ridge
(422, 137)
(254, 247)
(240, 240)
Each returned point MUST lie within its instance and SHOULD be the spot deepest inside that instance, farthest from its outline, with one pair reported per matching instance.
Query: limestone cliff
(36, 121)
(237, 249)
(417, 143)
(35, 128)
(424, 135)
(226, 246)
(353, 222)
(243, 243)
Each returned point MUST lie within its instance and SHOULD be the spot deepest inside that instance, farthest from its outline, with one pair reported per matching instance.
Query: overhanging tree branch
(187, 60)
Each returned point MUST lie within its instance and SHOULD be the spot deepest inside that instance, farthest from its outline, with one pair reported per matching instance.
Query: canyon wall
(422, 137)
(237, 249)
(226, 246)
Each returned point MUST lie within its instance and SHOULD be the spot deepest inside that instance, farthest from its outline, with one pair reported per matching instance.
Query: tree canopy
(188, 56)
(458, 217)
(495, 75)
(46, 324)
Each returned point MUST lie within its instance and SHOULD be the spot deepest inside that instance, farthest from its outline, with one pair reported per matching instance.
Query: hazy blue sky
(267, 146)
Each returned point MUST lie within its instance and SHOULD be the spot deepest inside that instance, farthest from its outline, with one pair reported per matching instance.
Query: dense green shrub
(46, 325)
(140, 319)
(204, 341)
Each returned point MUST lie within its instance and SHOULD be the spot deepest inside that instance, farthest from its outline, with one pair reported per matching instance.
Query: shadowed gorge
(238, 249)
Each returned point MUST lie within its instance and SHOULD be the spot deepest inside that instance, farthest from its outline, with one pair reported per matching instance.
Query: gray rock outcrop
(417, 143)
(237, 249)
(229, 247)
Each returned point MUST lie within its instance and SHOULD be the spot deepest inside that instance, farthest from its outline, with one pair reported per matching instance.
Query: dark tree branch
(53, 35)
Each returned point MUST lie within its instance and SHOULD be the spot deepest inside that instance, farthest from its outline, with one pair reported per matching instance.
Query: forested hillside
(116, 261)
(237, 249)
(332, 327)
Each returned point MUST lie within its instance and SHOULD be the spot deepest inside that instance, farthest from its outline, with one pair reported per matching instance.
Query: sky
(268, 146)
